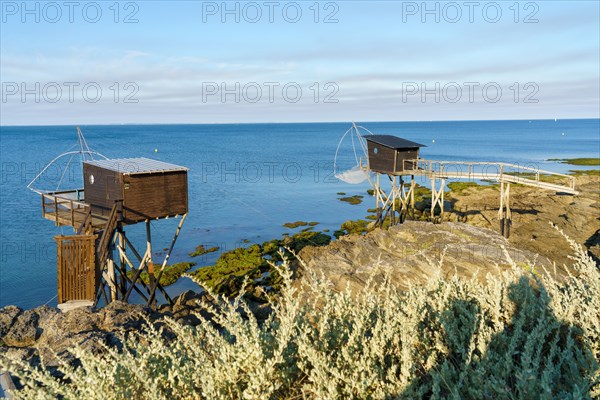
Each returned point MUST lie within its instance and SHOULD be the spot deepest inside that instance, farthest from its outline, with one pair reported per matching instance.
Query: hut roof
(132, 166)
(393, 142)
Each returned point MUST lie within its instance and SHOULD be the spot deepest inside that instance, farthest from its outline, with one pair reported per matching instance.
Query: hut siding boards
(388, 160)
(384, 159)
(155, 195)
(107, 188)
(145, 195)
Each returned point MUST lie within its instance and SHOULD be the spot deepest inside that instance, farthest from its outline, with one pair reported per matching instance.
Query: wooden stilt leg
(123, 265)
(412, 196)
(150, 264)
(508, 215)
(111, 279)
(504, 213)
(432, 198)
(443, 183)
(393, 204)
(437, 199)
(167, 256)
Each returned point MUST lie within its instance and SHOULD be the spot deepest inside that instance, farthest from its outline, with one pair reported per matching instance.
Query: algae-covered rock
(201, 250)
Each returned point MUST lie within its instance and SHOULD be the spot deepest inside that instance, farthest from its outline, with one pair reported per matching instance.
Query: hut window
(92, 179)
(375, 150)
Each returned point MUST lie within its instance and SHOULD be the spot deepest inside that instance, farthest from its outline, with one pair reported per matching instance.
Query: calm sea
(245, 180)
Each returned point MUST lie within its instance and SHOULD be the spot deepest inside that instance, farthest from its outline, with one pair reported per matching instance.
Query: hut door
(77, 275)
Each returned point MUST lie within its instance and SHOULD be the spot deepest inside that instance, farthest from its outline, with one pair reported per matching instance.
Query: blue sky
(372, 60)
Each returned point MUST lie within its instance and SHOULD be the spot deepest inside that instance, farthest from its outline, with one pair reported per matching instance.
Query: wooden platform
(67, 208)
(491, 171)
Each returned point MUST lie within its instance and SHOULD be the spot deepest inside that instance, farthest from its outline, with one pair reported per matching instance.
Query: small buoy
(156, 150)
(563, 134)
(433, 141)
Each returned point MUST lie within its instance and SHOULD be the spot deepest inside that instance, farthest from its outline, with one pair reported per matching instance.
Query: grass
(201, 250)
(577, 161)
(171, 274)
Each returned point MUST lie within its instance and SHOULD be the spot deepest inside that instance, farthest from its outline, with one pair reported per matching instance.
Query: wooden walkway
(491, 171)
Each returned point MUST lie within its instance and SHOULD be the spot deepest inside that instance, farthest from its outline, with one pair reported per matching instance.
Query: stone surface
(411, 253)
(532, 210)
(119, 315)
(7, 318)
(24, 331)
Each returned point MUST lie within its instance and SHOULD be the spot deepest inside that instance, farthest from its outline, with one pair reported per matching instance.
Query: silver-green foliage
(522, 335)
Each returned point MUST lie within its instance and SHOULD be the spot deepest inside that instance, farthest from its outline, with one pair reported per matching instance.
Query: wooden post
(501, 209)
(152, 280)
(504, 213)
(437, 198)
(164, 263)
(393, 195)
(442, 200)
(412, 196)
(378, 221)
(433, 199)
(111, 279)
(60, 280)
(123, 265)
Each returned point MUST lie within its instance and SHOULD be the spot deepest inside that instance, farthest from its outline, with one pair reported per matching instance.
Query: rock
(185, 315)
(532, 210)
(411, 253)
(188, 298)
(7, 318)
(123, 316)
(24, 331)
(80, 320)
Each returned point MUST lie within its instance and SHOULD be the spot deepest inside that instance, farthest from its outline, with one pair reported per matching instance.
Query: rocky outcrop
(532, 210)
(47, 332)
(412, 252)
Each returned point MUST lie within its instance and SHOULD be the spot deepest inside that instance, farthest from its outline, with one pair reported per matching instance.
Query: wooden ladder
(103, 247)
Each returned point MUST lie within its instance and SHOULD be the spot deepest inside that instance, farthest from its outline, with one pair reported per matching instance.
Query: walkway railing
(493, 171)
(65, 207)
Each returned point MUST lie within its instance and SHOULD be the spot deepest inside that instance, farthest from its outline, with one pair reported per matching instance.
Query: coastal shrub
(517, 336)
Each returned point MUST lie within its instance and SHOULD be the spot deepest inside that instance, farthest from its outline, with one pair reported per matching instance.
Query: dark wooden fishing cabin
(391, 155)
(149, 189)
(99, 261)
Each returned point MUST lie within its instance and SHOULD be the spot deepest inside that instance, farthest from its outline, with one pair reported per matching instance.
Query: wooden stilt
(123, 266)
(504, 213)
(437, 199)
(111, 279)
(150, 264)
(168, 255)
(393, 204)
(412, 196)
